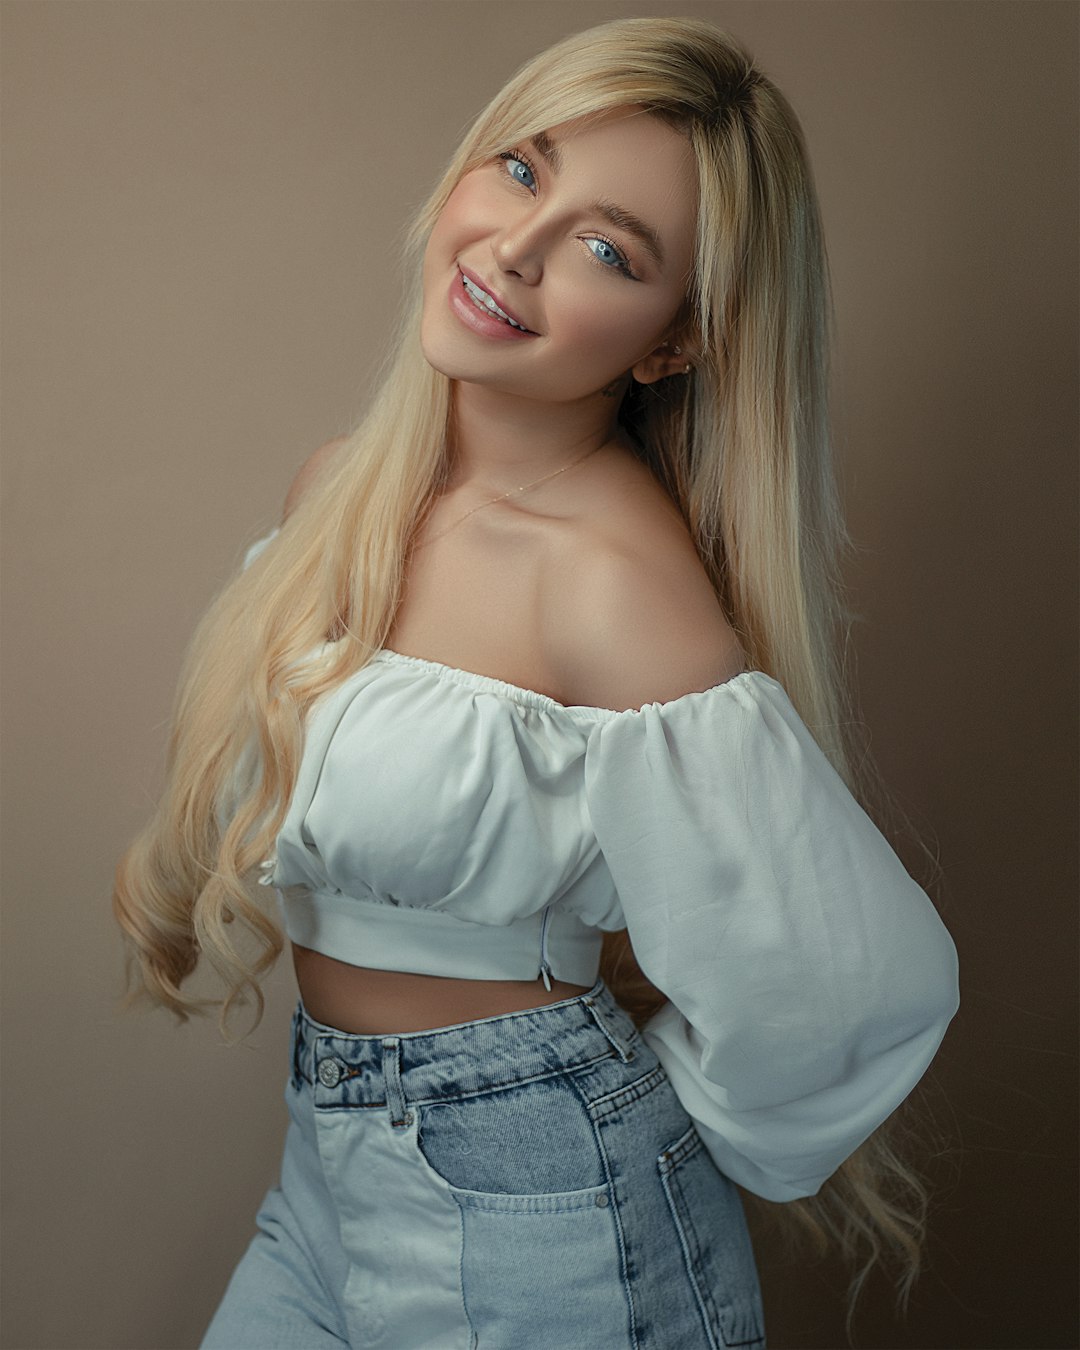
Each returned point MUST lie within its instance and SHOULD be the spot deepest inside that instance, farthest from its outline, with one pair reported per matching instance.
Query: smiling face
(584, 235)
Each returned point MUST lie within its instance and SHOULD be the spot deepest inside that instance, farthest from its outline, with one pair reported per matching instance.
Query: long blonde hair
(744, 450)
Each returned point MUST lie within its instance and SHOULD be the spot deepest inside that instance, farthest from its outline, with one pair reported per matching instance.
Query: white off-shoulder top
(449, 823)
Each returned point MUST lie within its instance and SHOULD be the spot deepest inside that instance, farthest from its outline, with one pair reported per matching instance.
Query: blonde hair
(744, 450)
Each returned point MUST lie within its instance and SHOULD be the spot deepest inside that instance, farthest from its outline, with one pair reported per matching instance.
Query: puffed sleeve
(257, 547)
(810, 980)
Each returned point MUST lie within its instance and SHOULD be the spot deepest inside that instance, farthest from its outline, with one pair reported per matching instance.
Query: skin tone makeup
(555, 272)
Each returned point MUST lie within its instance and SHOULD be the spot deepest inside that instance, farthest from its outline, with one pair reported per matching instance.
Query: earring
(677, 351)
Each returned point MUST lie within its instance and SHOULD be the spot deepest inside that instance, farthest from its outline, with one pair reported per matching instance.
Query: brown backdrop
(201, 205)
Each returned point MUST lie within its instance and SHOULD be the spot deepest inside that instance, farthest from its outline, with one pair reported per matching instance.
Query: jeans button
(329, 1072)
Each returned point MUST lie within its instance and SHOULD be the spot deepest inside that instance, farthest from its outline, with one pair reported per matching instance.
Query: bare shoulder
(636, 619)
(308, 471)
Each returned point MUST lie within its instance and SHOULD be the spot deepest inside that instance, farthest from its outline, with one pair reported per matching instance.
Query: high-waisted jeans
(519, 1181)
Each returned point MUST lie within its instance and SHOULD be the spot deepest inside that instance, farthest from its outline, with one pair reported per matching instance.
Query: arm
(810, 979)
(307, 472)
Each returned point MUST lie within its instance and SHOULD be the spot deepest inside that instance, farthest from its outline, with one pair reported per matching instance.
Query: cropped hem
(386, 936)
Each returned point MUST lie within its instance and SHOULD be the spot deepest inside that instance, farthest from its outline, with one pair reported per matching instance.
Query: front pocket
(708, 1216)
(528, 1147)
(540, 1257)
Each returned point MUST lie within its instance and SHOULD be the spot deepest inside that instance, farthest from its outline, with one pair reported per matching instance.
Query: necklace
(504, 495)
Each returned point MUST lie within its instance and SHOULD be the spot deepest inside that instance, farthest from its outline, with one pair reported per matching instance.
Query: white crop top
(449, 823)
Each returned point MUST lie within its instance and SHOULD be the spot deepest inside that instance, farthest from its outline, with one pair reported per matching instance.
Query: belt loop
(391, 1067)
(619, 1038)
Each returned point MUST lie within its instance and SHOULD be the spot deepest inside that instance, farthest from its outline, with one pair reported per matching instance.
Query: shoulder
(636, 619)
(308, 471)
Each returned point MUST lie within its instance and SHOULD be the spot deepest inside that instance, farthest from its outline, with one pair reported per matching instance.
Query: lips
(479, 281)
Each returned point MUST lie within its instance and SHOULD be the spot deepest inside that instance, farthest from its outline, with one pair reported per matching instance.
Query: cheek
(465, 214)
(439, 241)
(604, 326)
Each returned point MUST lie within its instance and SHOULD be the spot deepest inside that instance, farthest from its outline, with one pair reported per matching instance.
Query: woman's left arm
(307, 472)
(810, 978)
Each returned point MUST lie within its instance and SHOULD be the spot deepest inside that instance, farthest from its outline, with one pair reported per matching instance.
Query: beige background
(201, 209)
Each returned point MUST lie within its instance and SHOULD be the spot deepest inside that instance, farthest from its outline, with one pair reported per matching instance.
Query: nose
(518, 249)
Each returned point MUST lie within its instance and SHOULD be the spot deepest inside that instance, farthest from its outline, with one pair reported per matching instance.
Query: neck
(501, 441)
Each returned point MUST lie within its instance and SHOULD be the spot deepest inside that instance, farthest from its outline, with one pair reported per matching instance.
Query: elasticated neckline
(531, 698)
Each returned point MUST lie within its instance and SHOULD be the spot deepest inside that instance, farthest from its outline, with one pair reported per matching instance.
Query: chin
(444, 354)
(439, 359)
(435, 351)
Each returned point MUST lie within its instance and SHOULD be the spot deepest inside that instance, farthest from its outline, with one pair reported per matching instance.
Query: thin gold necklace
(511, 493)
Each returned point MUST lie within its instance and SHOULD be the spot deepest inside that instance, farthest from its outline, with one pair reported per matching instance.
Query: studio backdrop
(202, 208)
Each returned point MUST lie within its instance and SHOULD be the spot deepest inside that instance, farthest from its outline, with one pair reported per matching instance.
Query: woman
(544, 650)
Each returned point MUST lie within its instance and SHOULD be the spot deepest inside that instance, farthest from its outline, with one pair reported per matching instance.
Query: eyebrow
(613, 214)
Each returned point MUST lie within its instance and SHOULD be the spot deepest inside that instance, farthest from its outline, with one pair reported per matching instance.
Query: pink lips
(478, 281)
(480, 320)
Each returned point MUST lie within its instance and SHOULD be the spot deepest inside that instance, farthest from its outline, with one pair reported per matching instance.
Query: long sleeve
(257, 547)
(810, 980)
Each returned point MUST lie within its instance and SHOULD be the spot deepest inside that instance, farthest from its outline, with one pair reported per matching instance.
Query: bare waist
(372, 1002)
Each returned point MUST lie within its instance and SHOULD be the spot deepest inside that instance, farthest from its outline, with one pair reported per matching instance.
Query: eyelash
(624, 268)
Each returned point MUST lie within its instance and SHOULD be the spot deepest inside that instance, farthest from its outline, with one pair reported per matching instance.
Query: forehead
(642, 163)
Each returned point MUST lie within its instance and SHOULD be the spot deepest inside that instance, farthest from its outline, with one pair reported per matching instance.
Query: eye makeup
(623, 266)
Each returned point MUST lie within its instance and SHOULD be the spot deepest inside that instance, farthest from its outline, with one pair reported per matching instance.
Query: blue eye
(522, 164)
(522, 173)
(607, 254)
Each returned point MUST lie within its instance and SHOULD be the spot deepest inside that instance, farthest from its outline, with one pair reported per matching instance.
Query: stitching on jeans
(684, 1233)
(501, 1083)
(474, 1338)
(465, 1096)
(616, 1212)
(619, 1097)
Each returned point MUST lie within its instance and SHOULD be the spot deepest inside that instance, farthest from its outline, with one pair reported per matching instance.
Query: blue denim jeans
(526, 1180)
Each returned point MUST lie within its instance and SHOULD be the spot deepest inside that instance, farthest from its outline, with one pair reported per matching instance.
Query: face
(584, 236)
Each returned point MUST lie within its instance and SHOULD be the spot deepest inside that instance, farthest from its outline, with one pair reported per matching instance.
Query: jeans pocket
(707, 1212)
(528, 1147)
(540, 1255)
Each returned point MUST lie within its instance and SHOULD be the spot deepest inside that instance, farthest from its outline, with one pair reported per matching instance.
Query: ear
(670, 358)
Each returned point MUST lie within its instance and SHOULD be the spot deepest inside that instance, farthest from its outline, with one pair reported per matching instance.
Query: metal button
(601, 1200)
(329, 1072)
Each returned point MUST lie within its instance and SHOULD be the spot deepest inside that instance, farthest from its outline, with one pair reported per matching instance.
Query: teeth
(485, 301)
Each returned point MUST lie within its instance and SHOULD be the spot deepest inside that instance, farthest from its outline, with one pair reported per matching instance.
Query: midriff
(370, 1002)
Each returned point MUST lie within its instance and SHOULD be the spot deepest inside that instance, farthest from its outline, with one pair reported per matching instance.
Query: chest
(481, 598)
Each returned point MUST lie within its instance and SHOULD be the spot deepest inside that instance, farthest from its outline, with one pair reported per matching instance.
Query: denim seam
(501, 1085)
(688, 1145)
(616, 1216)
(619, 1097)
(461, 1262)
(690, 1262)
(625, 1043)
